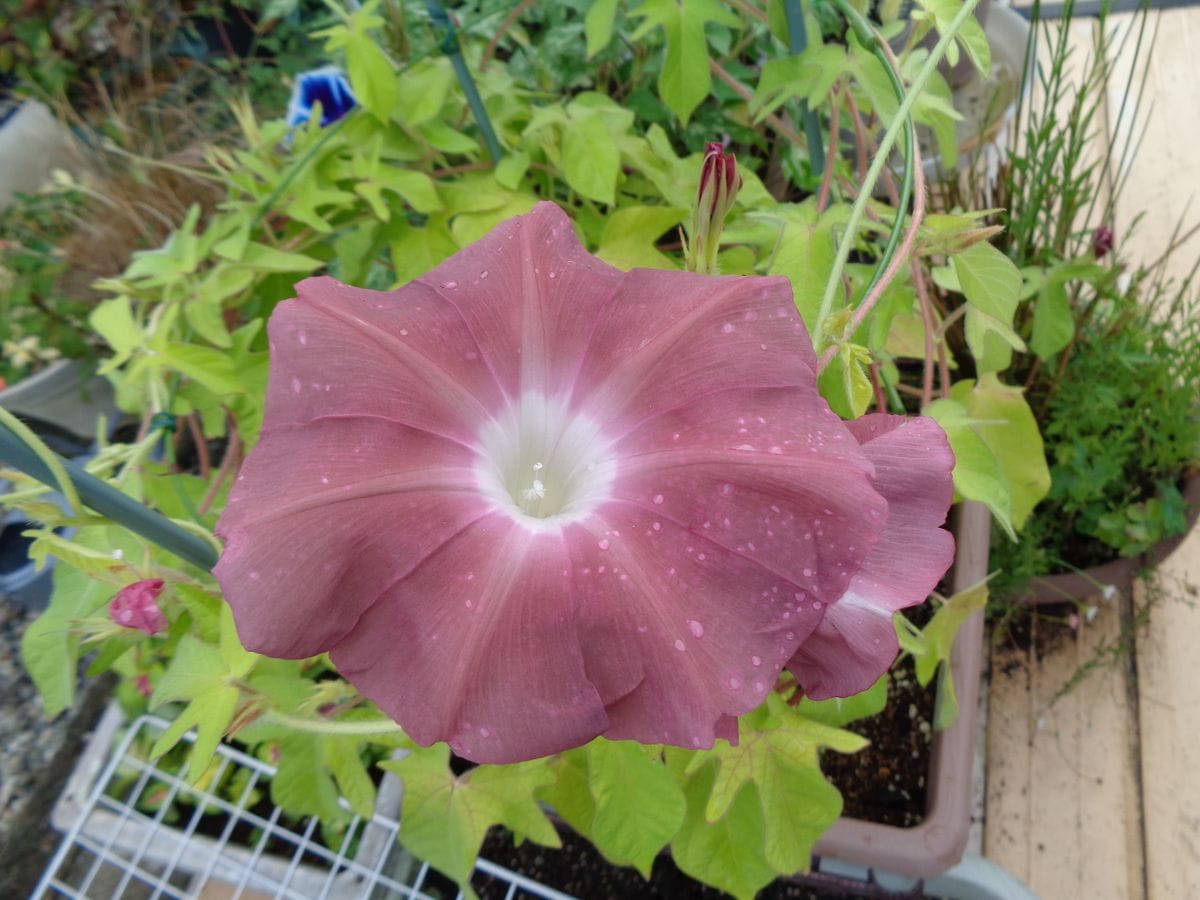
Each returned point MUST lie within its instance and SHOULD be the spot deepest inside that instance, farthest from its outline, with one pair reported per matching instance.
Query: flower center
(544, 464)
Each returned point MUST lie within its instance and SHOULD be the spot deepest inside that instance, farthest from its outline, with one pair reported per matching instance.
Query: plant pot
(66, 396)
(32, 145)
(1119, 573)
(939, 842)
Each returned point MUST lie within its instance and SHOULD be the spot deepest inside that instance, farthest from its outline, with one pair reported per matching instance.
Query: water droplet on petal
(603, 545)
(449, 285)
(696, 628)
(679, 645)
(735, 682)
(658, 499)
(756, 661)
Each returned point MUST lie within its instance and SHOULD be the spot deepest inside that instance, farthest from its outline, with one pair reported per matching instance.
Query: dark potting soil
(578, 869)
(883, 783)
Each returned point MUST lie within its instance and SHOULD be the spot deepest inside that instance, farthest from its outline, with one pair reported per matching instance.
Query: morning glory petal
(856, 642)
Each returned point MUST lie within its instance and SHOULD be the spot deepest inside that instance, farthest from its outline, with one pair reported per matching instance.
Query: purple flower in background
(1102, 242)
(327, 86)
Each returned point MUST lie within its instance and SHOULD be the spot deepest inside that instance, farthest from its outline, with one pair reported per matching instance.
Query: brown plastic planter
(1119, 573)
(939, 841)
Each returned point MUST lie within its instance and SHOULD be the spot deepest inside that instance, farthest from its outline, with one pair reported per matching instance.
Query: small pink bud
(134, 607)
(1102, 241)
(142, 683)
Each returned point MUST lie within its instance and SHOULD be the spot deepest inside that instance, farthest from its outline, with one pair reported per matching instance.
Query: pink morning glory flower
(135, 606)
(529, 499)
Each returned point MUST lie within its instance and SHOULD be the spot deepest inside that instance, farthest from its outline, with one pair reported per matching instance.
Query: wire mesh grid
(120, 843)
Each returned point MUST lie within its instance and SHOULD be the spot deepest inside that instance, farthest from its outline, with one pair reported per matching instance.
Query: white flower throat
(543, 463)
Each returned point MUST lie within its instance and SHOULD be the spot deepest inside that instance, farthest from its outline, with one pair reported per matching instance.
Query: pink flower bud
(135, 607)
(719, 185)
(1102, 242)
(142, 683)
(719, 181)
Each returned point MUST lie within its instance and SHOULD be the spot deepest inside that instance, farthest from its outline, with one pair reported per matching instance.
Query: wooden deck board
(1066, 808)
(1062, 806)
(1170, 724)
(1062, 810)
(1164, 182)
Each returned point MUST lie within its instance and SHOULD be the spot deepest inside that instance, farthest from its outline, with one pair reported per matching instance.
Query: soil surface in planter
(578, 869)
(883, 783)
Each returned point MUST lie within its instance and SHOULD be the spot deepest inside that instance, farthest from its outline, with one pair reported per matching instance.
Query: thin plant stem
(490, 50)
(777, 124)
(877, 384)
(228, 464)
(749, 9)
(927, 321)
(860, 136)
(827, 175)
(899, 259)
(950, 320)
(901, 121)
(201, 446)
(339, 727)
(880, 282)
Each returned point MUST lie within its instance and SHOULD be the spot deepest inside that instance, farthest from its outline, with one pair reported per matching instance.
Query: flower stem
(328, 726)
(899, 122)
(881, 280)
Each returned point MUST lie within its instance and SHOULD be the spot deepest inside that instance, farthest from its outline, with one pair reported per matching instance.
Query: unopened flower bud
(1102, 242)
(719, 185)
(135, 607)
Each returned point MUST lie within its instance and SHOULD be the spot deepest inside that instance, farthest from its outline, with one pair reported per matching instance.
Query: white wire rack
(119, 844)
